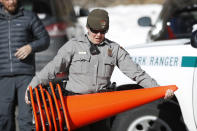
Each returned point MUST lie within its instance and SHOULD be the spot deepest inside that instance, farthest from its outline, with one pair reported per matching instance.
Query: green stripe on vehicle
(188, 61)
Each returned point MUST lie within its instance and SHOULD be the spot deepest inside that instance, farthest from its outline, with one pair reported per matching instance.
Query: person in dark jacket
(21, 35)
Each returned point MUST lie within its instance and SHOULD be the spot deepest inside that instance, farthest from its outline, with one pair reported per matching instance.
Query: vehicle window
(181, 23)
(37, 6)
(42, 7)
(61, 10)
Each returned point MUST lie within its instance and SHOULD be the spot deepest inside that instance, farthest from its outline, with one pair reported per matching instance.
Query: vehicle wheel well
(162, 109)
(165, 107)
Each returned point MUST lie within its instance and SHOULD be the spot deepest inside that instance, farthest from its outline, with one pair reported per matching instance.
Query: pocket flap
(81, 58)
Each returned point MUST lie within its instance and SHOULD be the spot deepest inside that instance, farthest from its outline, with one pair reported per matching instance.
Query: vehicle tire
(150, 117)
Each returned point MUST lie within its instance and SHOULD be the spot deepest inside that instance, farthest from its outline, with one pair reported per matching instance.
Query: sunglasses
(98, 31)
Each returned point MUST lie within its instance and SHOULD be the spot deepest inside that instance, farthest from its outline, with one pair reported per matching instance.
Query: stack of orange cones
(55, 112)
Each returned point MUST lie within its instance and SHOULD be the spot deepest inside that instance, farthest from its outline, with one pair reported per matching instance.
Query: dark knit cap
(98, 19)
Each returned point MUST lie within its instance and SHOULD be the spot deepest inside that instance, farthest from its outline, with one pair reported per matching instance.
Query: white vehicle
(170, 62)
(171, 58)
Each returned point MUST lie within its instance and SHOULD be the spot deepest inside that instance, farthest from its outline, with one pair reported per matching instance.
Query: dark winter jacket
(22, 28)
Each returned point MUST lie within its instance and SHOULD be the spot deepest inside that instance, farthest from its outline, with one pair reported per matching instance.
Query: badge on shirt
(82, 52)
(110, 52)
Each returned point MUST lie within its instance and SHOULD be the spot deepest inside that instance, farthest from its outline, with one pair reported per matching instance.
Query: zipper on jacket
(10, 51)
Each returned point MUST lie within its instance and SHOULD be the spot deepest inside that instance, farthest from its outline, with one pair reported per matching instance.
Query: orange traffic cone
(80, 110)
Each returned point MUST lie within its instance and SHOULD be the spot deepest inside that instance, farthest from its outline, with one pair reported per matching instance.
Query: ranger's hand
(169, 94)
(26, 96)
(23, 52)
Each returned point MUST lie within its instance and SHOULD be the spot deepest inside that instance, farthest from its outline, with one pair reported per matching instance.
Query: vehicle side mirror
(194, 39)
(145, 21)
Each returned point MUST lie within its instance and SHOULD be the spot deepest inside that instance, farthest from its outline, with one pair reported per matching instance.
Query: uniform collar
(83, 38)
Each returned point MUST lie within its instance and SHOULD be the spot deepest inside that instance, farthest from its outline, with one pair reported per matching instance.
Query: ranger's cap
(98, 19)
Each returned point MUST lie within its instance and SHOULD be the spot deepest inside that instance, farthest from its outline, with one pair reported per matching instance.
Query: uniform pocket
(109, 63)
(80, 64)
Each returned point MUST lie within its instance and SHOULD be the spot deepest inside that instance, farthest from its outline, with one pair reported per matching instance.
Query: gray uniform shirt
(89, 73)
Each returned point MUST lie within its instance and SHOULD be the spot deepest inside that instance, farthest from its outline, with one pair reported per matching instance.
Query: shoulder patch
(122, 48)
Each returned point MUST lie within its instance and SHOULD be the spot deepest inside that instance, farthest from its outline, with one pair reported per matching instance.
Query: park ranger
(90, 60)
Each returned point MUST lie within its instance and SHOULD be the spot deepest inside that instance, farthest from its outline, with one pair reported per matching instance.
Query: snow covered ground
(123, 23)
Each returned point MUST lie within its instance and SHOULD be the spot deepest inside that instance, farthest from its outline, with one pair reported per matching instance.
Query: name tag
(82, 53)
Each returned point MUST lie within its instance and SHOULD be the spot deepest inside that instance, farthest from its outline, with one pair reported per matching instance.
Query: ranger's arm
(59, 64)
(133, 70)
